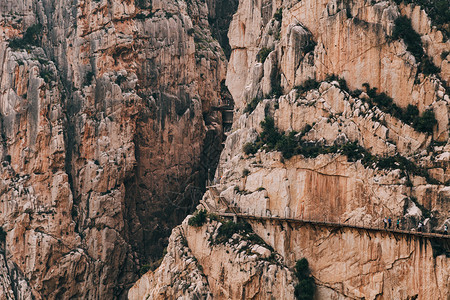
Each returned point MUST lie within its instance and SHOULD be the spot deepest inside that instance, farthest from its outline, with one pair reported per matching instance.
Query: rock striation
(238, 268)
(105, 116)
(288, 155)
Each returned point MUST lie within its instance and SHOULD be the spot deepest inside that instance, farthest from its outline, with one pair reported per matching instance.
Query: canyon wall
(106, 115)
(306, 144)
(111, 125)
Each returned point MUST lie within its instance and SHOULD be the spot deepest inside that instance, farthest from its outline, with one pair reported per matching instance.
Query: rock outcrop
(198, 267)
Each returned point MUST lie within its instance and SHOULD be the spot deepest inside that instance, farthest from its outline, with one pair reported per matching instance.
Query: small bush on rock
(309, 84)
(252, 105)
(278, 15)
(226, 231)
(305, 288)
(250, 148)
(404, 30)
(199, 218)
(262, 54)
(31, 37)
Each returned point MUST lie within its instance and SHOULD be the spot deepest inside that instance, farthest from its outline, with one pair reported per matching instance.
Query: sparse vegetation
(47, 75)
(144, 4)
(89, 77)
(250, 148)
(199, 218)
(2, 234)
(228, 228)
(404, 30)
(444, 54)
(31, 37)
(245, 172)
(252, 105)
(437, 10)
(309, 84)
(262, 54)
(278, 15)
(120, 79)
(305, 288)
(342, 83)
(270, 139)
(422, 123)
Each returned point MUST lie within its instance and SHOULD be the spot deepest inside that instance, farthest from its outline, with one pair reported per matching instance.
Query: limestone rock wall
(329, 187)
(277, 45)
(238, 269)
(313, 39)
(348, 264)
(103, 130)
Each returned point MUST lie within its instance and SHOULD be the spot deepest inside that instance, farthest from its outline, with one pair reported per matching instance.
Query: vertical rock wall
(103, 129)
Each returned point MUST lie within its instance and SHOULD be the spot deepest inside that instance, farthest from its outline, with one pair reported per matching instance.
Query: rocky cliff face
(197, 266)
(106, 111)
(109, 128)
(320, 149)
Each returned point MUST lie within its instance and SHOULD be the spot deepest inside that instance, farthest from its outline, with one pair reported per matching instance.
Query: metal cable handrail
(239, 214)
(334, 224)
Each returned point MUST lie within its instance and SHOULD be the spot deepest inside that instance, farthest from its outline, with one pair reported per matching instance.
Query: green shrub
(289, 145)
(278, 15)
(444, 54)
(31, 37)
(427, 67)
(47, 75)
(426, 122)
(404, 30)
(262, 54)
(143, 4)
(120, 79)
(342, 82)
(89, 77)
(226, 231)
(270, 135)
(2, 234)
(245, 172)
(438, 11)
(411, 114)
(199, 218)
(309, 84)
(250, 148)
(305, 288)
(252, 105)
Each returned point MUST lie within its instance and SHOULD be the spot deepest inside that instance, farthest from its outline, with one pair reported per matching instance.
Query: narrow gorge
(189, 149)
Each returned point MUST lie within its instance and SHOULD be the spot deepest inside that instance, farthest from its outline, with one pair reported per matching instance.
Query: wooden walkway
(235, 212)
(334, 225)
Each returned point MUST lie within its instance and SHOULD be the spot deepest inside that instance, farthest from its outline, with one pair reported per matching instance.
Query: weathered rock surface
(238, 269)
(352, 41)
(329, 186)
(349, 264)
(277, 45)
(104, 123)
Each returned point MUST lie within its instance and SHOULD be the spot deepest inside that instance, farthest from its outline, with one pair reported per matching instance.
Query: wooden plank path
(236, 213)
(334, 225)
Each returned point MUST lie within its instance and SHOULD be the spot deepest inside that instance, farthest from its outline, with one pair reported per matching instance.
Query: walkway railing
(333, 224)
(254, 214)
